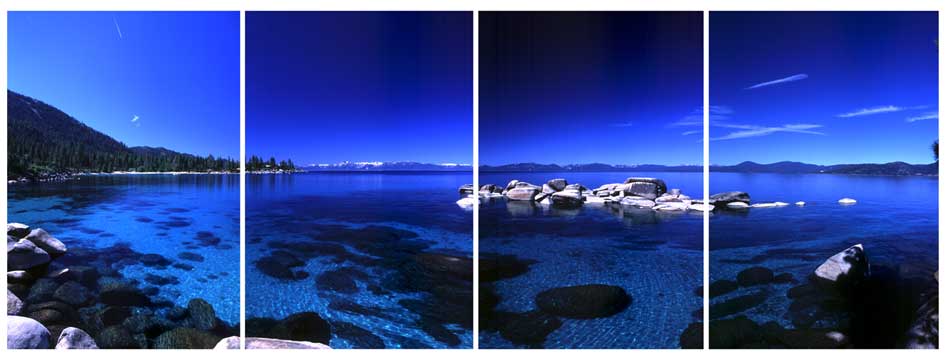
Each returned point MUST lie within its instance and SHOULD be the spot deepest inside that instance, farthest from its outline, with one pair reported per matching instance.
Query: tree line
(256, 163)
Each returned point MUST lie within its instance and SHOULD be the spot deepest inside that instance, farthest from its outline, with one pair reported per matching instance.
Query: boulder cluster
(638, 192)
(531, 328)
(87, 305)
(844, 303)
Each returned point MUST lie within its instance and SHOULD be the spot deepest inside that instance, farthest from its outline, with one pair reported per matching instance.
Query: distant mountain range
(784, 167)
(43, 141)
(387, 166)
(593, 167)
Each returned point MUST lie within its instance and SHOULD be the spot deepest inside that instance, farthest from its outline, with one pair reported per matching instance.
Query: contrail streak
(117, 28)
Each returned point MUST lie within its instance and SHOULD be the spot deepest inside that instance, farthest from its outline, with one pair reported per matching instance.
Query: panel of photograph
(590, 162)
(124, 193)
(359, 136)
(824, 156)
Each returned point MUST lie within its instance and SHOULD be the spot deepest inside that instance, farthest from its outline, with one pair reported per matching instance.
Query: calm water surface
(895, 218)
(359, 237)
(655, 257)
(149, 214)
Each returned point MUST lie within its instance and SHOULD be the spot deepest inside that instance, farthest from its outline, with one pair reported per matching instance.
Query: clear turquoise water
(656, 258)
(302, 209)
(151, 214)
(895, 218)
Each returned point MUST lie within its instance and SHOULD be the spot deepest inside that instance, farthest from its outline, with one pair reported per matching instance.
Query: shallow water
(371, 216)
(655, 257)
(895, 218)
(151, 214)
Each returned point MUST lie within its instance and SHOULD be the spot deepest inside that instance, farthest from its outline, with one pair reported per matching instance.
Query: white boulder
(75, 338)
(847, 201)
(467, 203)
(737, 205)
(26, 333)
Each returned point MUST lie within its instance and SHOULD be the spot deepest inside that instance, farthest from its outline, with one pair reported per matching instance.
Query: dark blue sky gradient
(881, 62)
(179, 72)
(583, 87)
(326, 87)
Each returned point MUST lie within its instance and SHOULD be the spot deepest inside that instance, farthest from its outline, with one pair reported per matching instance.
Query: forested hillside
(42, 140)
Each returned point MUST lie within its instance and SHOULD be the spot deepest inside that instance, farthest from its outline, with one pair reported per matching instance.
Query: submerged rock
(756, 275)
(924, 331)
(720, 287)
(122, 293)
(73, 294)
(733, 333)
(583, 301)
(117, 337)
(280, 264)
(26, 333)
(530, 328)
(202, 315)
(75, 338)
(305, 326)
(737, 304)
(186, 338)
(692, 336)
(357, 336)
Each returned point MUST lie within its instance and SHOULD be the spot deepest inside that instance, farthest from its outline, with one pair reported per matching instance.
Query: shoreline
(73, 176)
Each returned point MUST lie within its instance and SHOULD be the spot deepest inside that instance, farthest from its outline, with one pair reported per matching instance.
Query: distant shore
(71, 176)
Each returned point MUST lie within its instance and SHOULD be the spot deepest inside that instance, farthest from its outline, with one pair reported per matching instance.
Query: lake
(895, 218)
(176, 237)
(386, 259)
(655, 257)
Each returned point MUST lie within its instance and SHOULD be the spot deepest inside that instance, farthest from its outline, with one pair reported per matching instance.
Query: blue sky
(583, 87)
(823, 88)
(326, 87)
(169, 79)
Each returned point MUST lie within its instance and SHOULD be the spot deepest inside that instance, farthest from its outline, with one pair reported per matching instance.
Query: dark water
(147, 214)
(655, 257)
(359, 238)
(895, 218)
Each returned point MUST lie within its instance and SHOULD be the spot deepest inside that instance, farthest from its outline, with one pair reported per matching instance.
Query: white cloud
(691, 132)
(747, 131)
(695, 118)
(926, 116)
(872, 111)
(623, 124)
(792, 78)
(135, 118)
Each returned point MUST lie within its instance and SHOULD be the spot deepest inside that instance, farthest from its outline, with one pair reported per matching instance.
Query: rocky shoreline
(846, 302)
(637, 192)
(61, 177)
(74, 299)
